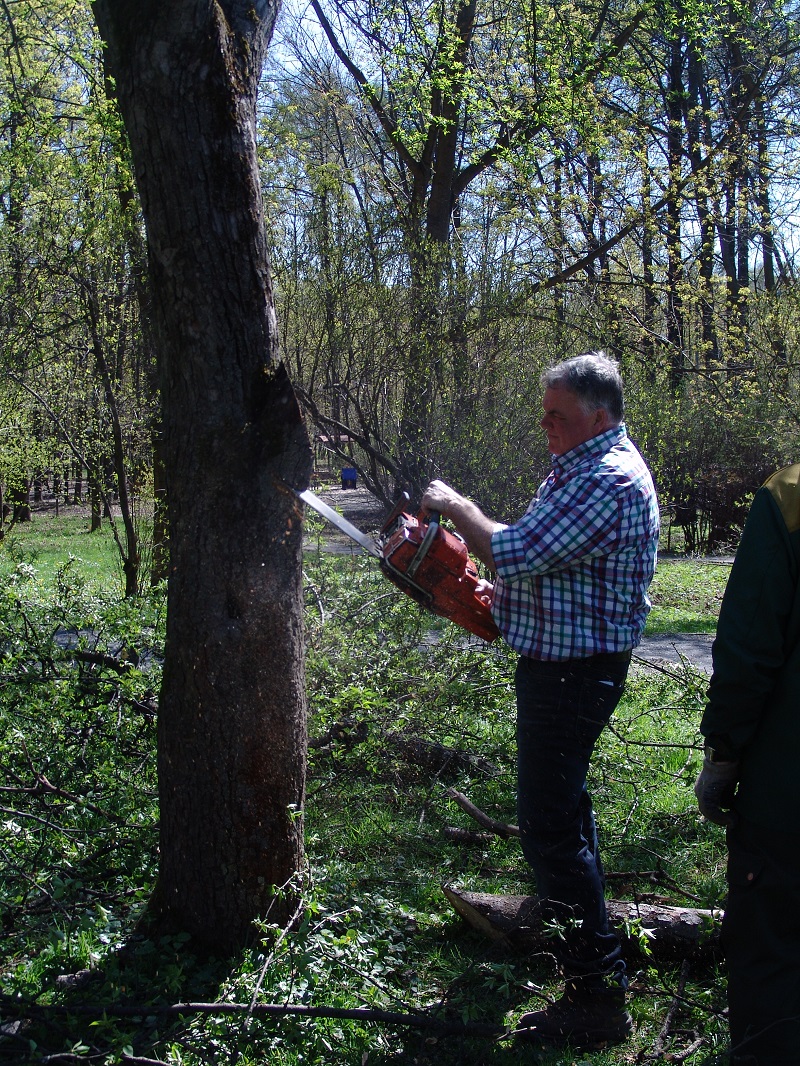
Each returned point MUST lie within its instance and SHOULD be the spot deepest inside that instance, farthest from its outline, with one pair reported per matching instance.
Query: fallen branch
(437, 758)
(678, 1000)
(503, 830)
(499, 828)
(656, 877)
(347, 733)
(139, 1060)
(664, 1032)
(99, 658)
(45, 787)
(361, 1014)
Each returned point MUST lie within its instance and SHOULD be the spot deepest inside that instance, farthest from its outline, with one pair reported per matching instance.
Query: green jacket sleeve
(758, 628)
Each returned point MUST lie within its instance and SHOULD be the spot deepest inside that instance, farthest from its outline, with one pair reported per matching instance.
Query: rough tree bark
(232, 710)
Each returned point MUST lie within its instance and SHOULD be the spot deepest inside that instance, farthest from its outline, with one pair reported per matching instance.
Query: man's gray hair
(594, 378)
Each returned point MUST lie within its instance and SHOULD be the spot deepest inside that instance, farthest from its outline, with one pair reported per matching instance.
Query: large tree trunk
(232, 709)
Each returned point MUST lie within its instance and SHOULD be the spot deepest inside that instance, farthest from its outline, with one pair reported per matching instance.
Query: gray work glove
(714, 789)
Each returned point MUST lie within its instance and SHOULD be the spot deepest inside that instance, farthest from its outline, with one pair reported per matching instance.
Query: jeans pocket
(598, 698)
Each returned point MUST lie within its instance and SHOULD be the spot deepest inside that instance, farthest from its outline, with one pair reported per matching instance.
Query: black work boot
(586, 1016)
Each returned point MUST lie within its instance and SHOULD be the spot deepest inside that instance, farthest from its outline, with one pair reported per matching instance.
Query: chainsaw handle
(430, 535)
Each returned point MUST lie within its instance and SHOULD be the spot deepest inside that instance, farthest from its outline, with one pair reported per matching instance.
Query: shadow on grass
(114, 1012)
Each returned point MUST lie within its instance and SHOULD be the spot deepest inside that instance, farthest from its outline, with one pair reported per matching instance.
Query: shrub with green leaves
(78, 674)
(402, 708)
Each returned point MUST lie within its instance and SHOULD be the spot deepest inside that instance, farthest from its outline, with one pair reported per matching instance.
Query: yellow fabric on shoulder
(785, 488)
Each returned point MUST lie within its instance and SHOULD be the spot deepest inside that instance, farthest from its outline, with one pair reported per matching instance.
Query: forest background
(455, 197)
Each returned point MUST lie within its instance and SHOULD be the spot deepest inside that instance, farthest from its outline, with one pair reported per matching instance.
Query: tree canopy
(456, 194)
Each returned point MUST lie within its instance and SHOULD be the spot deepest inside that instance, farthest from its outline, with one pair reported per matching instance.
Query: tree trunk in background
(95, 506)
(649, 291)
(231, 733)
(116, 468)
(159, 564)
(559, 246)
(734, 233)
(696, 108)
(765, 226)
(675, 274)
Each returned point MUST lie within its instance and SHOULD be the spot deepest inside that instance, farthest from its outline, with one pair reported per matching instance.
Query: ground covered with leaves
(378, 969)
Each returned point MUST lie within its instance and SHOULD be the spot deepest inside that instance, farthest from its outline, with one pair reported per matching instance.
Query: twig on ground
(501, 829)
(678, 1000)
(138, 1060)
(362, 1014)
(468, 836)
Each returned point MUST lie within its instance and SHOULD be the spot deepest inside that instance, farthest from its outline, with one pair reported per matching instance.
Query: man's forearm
(476, 529)
(470, 521)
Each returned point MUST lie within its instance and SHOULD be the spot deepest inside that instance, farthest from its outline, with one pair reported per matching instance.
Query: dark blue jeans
(561, 711)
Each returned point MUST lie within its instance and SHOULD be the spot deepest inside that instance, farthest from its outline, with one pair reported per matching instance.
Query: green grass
(47, 542)
(686, 596)
(376, 930)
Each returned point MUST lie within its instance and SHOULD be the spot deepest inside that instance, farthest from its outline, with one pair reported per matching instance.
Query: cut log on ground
(668, 932)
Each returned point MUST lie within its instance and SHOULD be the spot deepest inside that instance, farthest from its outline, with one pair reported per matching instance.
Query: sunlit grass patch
(46, 543)
(686, 596)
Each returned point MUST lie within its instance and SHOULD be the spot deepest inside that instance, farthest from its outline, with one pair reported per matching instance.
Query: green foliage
(76, 368)
(713, 443)
(597, 194)
(77, 678)
(401, 708)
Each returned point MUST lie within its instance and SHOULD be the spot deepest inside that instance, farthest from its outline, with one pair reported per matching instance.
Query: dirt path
(358, 506)
(676, 648)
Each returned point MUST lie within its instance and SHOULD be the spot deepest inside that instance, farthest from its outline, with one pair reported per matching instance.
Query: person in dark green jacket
(750, 781)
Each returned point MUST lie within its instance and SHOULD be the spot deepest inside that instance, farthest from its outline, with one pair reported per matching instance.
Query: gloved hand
(714, 789)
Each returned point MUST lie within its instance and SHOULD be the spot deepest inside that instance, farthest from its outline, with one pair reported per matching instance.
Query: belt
(608, 657)
(602, 658)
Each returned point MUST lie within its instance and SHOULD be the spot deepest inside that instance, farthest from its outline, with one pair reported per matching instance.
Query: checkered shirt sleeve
(573, 573)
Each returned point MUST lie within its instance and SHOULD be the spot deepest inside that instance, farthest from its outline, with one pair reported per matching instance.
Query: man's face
(566, 422)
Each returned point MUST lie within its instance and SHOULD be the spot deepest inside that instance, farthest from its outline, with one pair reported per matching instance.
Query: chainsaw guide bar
(428, 563)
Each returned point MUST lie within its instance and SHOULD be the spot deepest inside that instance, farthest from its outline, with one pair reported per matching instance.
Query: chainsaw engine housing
(432, 565)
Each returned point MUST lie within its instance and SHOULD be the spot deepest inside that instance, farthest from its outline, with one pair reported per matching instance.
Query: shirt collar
(594, 446)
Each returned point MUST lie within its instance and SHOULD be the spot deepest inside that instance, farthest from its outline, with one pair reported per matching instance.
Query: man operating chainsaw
(570, 596)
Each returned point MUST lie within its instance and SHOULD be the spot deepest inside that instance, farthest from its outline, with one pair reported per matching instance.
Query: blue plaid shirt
(573, 573)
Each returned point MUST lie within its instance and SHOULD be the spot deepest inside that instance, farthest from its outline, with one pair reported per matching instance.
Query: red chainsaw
(429, 563)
